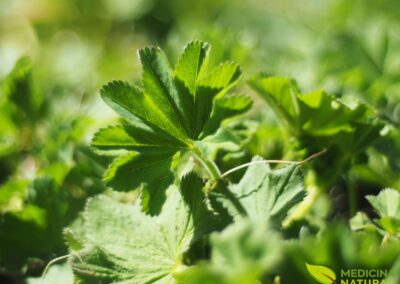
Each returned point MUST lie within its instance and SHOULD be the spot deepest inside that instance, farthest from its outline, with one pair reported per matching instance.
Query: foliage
(321, 121)
(206, 172)
(387, 206)
(173, 113)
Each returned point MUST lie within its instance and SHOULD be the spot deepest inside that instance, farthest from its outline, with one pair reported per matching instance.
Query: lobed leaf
(149, 171)
(169, 113)
(119, 243)
(265, 194)
(387, 205)
(349, 124)
(241, 254)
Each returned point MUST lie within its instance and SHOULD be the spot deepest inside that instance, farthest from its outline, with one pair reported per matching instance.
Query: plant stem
(272, 162)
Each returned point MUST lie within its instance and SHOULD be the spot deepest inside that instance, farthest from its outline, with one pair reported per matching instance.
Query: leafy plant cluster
(187, 196)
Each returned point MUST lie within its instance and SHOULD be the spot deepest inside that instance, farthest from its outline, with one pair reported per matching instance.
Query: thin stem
(313, 156)
(55, 260)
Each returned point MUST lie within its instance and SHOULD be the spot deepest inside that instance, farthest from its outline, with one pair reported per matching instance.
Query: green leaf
(19, 90)
(164, 116)
(387, 206)
(337, 248)
(317, 121)
(281, 94)
(242, 253)
(44, 211)
(322, 274)
(349, 124)
(61, 274)
(190, 64)
(215, 84)
(223, 76)
(149, 171)
(386, 203)
(360, 221)
(123, 138)
(159, 85)
(9, 138)
(13, 195)
(121, 244)
(225, 107)
(153, 110)
(265, 194)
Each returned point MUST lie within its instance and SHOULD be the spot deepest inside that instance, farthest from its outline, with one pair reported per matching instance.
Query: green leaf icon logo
(322, 274)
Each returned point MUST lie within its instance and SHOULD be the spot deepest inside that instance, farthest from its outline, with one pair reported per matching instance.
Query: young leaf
(387, 206)
(122, 243)
(241, 254)
(322, 274)
(386, 203)
(225, 107)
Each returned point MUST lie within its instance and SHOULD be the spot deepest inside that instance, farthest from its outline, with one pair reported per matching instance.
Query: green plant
(189, 199)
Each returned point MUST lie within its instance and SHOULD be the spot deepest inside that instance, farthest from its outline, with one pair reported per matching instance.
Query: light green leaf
(60, 274)
(360, 221)
(386, 203)
(224, 75)
(225, 107)
(322, 274)
(241, 254)
(12, 195)
(349, 125)
(121, 244)
(266, 194)
(215, 84)
(281, 94)
(149, 171)
(188, 69)
(161, 91)
(8, 132)
(190, 63)
(154, 110)
(387, 206)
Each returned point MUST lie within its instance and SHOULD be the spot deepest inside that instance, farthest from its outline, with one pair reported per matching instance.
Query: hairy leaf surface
(119, 243)
(266, 194)
(241, 254)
